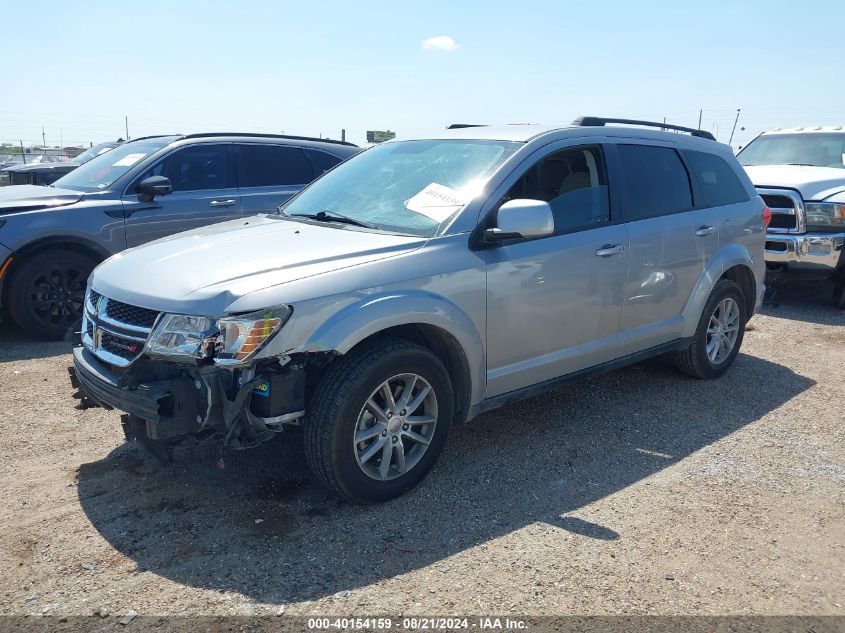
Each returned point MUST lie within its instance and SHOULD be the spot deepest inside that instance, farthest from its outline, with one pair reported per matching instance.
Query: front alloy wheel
(378, 419)
(395, 426)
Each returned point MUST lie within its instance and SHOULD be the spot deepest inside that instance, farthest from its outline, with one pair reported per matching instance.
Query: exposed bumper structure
(821, 252)
(172, 407)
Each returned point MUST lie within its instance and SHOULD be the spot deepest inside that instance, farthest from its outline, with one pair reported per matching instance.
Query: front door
(204, 192)
(553, 304)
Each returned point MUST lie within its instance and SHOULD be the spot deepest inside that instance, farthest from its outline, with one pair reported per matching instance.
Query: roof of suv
(302, 141)
(527, 132)
(818, 129)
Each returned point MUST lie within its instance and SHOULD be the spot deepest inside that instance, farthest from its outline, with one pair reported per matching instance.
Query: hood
(813, 183)
(30, 167)
(32, 197)
(205, 270)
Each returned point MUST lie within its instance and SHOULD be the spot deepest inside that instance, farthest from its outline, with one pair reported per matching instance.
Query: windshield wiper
(331, 216)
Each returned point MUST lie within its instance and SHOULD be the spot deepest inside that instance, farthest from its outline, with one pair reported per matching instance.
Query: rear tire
(839, 290)
(719, 334)
(46, 292)
(394, 395)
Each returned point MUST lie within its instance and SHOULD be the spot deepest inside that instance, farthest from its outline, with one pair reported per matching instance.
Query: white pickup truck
(800, 173)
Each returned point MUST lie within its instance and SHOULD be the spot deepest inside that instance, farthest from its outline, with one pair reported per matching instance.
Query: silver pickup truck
(800, 173)
(423, 282)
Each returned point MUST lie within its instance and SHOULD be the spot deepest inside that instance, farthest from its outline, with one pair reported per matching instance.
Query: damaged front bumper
(168, 401)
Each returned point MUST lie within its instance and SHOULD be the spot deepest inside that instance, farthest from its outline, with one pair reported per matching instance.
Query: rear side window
(322, 161)
(272, 165)
(656, 182)
(718, 181)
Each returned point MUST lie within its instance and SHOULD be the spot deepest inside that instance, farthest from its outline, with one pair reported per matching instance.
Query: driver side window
(196, 168)
(574, 183)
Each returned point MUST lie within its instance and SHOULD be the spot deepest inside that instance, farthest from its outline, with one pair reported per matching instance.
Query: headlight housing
(825, 213)
(242, 336)
(229, 340)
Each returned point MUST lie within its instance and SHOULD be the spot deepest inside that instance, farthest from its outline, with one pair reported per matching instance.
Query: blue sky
(311, 68)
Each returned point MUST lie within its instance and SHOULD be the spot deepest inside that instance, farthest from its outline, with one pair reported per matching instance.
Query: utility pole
(734, 128)
(126, 122)
(343, 134)
(43, 138)
(700, 113)
(23, 153)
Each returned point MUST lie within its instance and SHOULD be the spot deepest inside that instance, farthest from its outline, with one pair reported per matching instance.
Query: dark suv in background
(52, 237)
(44, 173)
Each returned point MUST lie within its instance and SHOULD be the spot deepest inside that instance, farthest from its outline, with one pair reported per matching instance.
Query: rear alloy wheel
(378, 420)
(719, 334)
(47, 292)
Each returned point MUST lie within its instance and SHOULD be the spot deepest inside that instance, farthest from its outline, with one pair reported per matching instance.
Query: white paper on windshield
(128, 160)
(437, 202)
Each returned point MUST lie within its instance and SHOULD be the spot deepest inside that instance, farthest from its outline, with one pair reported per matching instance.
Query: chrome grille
(787, 210)
(124, 348)
(115, 332)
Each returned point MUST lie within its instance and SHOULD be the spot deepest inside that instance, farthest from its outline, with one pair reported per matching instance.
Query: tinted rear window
(656, 182)
(718, 181)
(272, 165)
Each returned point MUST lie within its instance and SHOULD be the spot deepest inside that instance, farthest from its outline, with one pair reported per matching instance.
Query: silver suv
(422, 283)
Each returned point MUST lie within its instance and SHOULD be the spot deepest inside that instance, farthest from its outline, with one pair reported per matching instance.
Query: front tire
(378, 420)
(46, 292)
(719, 334)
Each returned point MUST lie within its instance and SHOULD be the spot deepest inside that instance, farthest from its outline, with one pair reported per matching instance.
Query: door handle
(610, 249)
(222, 203)
(701, 231)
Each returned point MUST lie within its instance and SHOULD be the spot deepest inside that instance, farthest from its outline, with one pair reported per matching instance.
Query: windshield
(100, 172)
(817, 150)
(407, 187)
(92, 152)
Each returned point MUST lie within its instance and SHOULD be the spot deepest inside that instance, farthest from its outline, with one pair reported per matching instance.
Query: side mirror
(153, 186)
(521, 218)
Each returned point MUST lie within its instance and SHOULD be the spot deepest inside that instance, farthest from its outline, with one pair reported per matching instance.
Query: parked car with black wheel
(424, 282)
(45, 173)
(52, 237)
(29, 160)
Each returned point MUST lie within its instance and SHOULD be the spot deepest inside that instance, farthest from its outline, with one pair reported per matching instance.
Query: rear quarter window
(322, 161)
(718, 181)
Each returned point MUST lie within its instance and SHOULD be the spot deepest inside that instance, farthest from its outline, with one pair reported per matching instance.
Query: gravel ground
(639, 492)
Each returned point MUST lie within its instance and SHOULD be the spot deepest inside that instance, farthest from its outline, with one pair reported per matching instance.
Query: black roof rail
(597, 121)
(144, 138)
(259, 135)
(460, 126)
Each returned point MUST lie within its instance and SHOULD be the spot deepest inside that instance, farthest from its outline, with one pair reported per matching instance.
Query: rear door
(673, 234)
(204, 192)
(270, 174)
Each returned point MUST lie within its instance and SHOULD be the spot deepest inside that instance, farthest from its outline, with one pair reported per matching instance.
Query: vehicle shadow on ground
(15, 345)
(803, 300)
(264, 528)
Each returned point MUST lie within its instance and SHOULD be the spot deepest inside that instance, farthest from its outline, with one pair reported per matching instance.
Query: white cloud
(440, 43)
